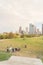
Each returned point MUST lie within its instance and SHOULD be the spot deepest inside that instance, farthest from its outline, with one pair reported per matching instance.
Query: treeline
(11, 35)
(7, 35)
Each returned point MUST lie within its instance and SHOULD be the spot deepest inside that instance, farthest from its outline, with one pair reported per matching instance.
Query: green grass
(4, 56)
(34, 46)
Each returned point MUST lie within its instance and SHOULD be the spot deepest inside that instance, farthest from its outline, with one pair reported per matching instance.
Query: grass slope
(34, 46)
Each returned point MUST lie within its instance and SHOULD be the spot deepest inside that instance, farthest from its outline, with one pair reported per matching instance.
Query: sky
(15, 13)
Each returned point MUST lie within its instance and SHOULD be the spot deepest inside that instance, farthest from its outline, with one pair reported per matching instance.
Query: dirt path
(16, 60)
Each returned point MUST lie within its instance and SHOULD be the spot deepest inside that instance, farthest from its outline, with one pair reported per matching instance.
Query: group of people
(11, 49)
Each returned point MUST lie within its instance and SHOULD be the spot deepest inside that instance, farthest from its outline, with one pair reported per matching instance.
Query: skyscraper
(38, 31)
(32, 29)
(20, 29)
(42, 28)
(27, 30)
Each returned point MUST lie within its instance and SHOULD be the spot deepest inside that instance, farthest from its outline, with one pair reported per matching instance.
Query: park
(33, 48)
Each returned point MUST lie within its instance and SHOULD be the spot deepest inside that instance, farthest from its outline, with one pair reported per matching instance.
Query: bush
(1, 37)
(10, 35)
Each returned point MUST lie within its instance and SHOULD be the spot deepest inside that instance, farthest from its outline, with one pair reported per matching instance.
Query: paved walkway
(16, 60)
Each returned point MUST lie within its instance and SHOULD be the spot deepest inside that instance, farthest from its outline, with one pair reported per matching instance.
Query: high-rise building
(20, 29)
(38, 31)
(32, 29)
(21, 32)
(42, 28)
(27, 30)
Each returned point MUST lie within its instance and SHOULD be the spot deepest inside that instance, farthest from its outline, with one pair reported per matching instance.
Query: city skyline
(15, 13)
(32, 29)
(38, 26)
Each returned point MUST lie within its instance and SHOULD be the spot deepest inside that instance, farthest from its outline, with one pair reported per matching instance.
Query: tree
(22, 34)
(1, 37)
(11, 35)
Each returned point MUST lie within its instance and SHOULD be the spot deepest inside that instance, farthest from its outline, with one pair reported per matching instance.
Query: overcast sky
(15, 13)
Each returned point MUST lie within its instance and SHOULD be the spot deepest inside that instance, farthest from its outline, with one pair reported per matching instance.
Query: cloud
(14, 13)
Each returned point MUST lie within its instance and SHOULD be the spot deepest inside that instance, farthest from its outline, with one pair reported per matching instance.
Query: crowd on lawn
(11, 49)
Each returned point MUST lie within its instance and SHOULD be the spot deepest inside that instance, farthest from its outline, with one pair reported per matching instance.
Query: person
(7, 49)
(12, 49)
(25, 46)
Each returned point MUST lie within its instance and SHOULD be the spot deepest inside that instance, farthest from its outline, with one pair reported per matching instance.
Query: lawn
(4, 56)
(34, 47)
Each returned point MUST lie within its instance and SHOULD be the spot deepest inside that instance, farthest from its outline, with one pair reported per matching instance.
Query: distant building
(27, 30)
(20, 29)
(4, 33)
(32, 29)
(21, 32)
(42, 28)
(38, 31)
(35, 29)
